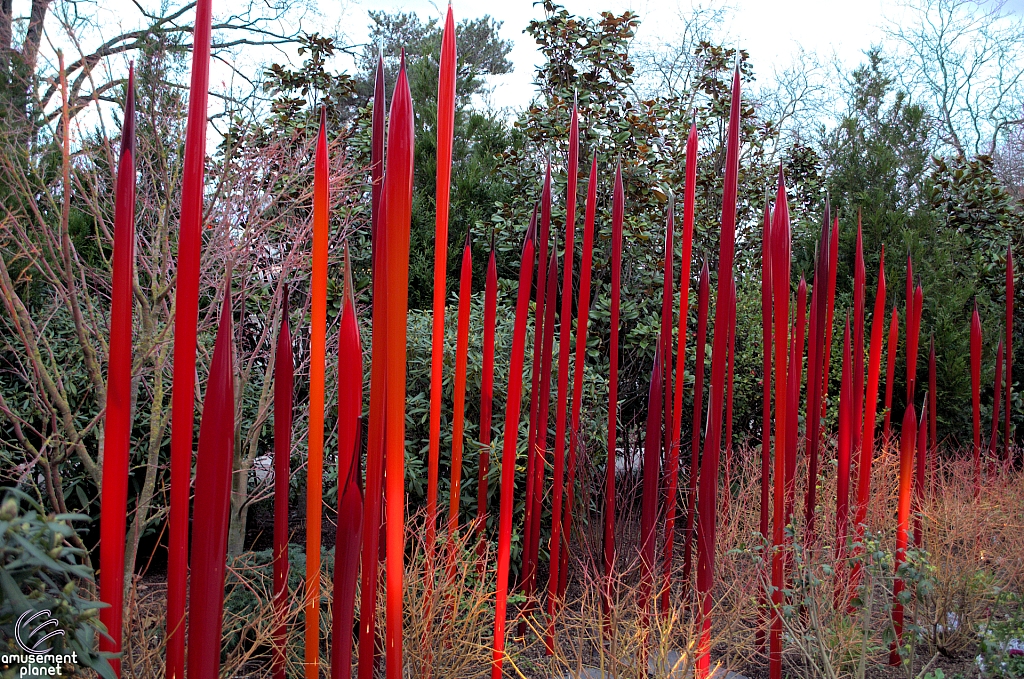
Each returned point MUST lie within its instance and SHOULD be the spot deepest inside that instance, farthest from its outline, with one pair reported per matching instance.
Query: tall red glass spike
(118, 415)
(459, 407)
(397, 216)
(533, 546)
(815, 368)
(1009, 351)
(350, 490)
(562, 402)
(870, 406)
(373, 499)
(613, 390)
(833, 268)
(508, 454)
(317, 386)
(997, 391)
(445, 134)
(186, 318)
(843, 444)
(729, 392)
(908, 437)
(284, 381)
(538, 360)
(859, 296)
(213, 494)
(650, 488)
(486, 392)
(712, 443)
(766, 386)
(890, 371)
(703, 295)
(780, 261)
(582, 315)
(796, 360)
(672, 470)
(919, 483)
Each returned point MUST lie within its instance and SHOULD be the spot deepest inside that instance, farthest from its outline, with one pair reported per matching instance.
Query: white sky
(771, 30)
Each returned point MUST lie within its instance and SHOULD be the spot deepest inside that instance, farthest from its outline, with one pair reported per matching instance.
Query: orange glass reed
(908, 436)
(445, 134)
(317, 366)
(350, 492)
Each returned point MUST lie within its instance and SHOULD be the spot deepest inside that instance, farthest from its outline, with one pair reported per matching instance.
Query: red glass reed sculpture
(538, 359)
(833, 268)
(712, 442)
(976, 394)
(933, 442)
(870, 407)
(650, 488)
(908, 437)
(913, 339)
(445, 134)
(508, 454)
(859, 296)
(703, 294)
(397, 216)
(374, 489)
(213, 494)
(997, 391)
(815, 367)
(459, 406)
(582, 316)
(350, 491)
(117, 423)
(284, 381)
(665, 331)
(317, 365)
(780, 261)
(796, 357)
(890, 371)
(562, 402)
(486, 393)
(672, 467)
(186, 318)
(766, 389)
(613, 390)
(919, 483)
(843, 444)
(1009, 350)
(540, 443)
(728, 394)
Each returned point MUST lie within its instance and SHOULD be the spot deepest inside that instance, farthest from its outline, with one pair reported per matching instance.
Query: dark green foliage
(43, 568)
